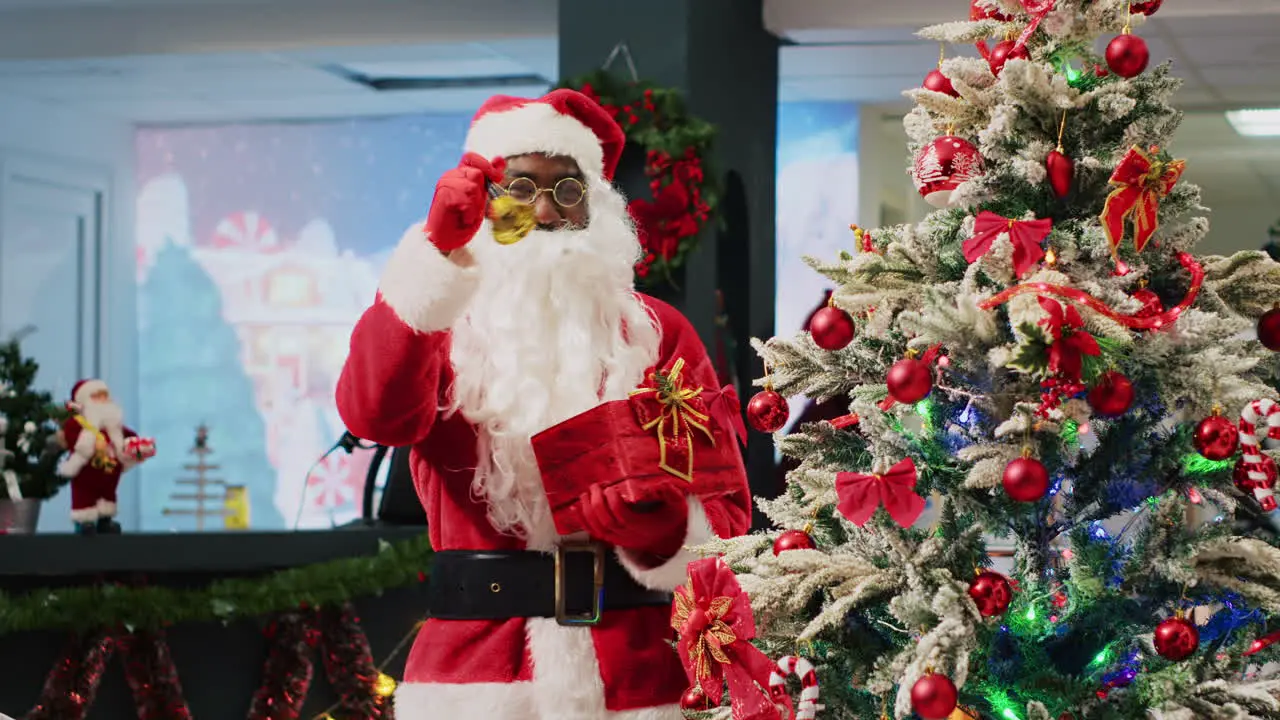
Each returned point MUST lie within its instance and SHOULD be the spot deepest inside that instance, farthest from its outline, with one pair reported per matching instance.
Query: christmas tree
(1045, 357)
(191, 374)
(29, 422)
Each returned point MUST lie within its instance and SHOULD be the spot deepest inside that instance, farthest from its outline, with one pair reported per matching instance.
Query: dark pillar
(719, 53)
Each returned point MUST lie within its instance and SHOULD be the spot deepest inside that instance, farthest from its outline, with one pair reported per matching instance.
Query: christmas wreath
(676, 146)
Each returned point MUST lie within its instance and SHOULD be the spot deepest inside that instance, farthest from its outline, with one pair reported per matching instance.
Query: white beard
(108, 417)
(541, 342)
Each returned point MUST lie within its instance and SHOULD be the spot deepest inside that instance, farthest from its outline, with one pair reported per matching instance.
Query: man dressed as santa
(470, 349)
(101, 450)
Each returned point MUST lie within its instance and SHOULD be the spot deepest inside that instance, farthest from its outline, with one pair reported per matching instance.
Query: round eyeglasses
(567, 193)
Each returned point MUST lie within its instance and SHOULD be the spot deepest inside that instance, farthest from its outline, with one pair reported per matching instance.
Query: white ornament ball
(29, 428)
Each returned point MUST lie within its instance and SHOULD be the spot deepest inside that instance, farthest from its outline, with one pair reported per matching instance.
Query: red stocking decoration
(348, 664)
(73, 682)
(286, 676)
(152, 677)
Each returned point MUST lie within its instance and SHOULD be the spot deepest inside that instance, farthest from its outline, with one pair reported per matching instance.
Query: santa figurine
(101, 449)
(470, 349)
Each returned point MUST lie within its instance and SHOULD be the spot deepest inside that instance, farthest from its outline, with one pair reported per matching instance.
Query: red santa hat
(83, 391)
(563, 122)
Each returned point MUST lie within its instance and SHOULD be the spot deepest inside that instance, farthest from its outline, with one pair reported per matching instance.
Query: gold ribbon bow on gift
(664, 403)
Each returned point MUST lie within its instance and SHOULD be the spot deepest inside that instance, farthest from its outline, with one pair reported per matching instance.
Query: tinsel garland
(152, 676)
(349, 666)
(287, 672)
(73, 682)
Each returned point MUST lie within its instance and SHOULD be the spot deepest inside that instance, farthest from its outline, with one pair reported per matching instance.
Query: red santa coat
(394, 382)
(94, 466)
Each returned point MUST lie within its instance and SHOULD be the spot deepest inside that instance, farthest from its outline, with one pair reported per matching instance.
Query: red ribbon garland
(1038, 9)
(1144, 320)
(1026, 236)
(860, 494)
(1140, 182)
(715, 624)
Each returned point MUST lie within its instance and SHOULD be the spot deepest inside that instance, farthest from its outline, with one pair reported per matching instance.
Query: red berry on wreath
(938, 82)
(1003, 52)
(1127, 55)
(1216, 438)
(1025, 480)
(991, 592)
(792, 540)
(767, 411)
(1269, 329)
(1112, 396)
(934, 696)
(910, 381)
(694, 699)
(1176, 638)
(832, 328)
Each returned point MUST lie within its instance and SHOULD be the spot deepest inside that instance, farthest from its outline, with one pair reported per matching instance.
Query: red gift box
(664, 432)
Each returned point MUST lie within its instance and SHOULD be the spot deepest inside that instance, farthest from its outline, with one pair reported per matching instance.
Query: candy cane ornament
(1259, 420)
(808, 707)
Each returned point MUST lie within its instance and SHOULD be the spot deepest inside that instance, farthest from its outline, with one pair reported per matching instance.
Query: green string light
(1197, 464)
(1070, 432)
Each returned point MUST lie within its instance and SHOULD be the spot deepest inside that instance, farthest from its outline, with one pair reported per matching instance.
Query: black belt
(573, 585)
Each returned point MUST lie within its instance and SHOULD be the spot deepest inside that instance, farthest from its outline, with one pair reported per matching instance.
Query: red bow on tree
(1071, 342)
(715, 624)
(726, 411)
(1026, 236)
(861, 494)
(1140, 181)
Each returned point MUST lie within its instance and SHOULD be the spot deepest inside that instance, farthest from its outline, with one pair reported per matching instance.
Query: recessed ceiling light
(1256, 123)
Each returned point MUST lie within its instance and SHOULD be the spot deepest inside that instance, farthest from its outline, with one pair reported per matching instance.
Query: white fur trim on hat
(536, 128)
(674, 572)
(86, 390)
(427, 290)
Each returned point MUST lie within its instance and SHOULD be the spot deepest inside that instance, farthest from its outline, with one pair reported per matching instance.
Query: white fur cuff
(428, 291)
(71, 466)
(674, 572)
(88, 514)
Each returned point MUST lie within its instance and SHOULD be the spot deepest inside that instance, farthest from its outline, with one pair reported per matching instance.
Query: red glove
(646, 517)
(457, 210)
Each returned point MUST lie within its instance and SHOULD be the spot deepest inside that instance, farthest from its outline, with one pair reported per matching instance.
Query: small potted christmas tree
(29, 440)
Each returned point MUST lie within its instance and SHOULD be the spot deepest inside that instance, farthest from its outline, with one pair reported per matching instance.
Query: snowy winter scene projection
(259, 245)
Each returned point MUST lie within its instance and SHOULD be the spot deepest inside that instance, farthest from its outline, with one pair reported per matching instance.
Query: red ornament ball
(1003, 52)
(1216, 438)
(1148, 8)
(1257, 476)
(991, 592)
(1151, 304)
(942, 165)
(832, 328)
(1112, 396)
(1127, 55)
(934, 697)
(938, 82)
(910, 381)
(767, 411)
(1176, 639)
(979, 12)
(694, 699)
(1062, 172)
(792, 540)
(1269, 329)
(1025, 480)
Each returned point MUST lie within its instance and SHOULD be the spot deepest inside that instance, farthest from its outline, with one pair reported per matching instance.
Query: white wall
(1236, 224)
(38, 130)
